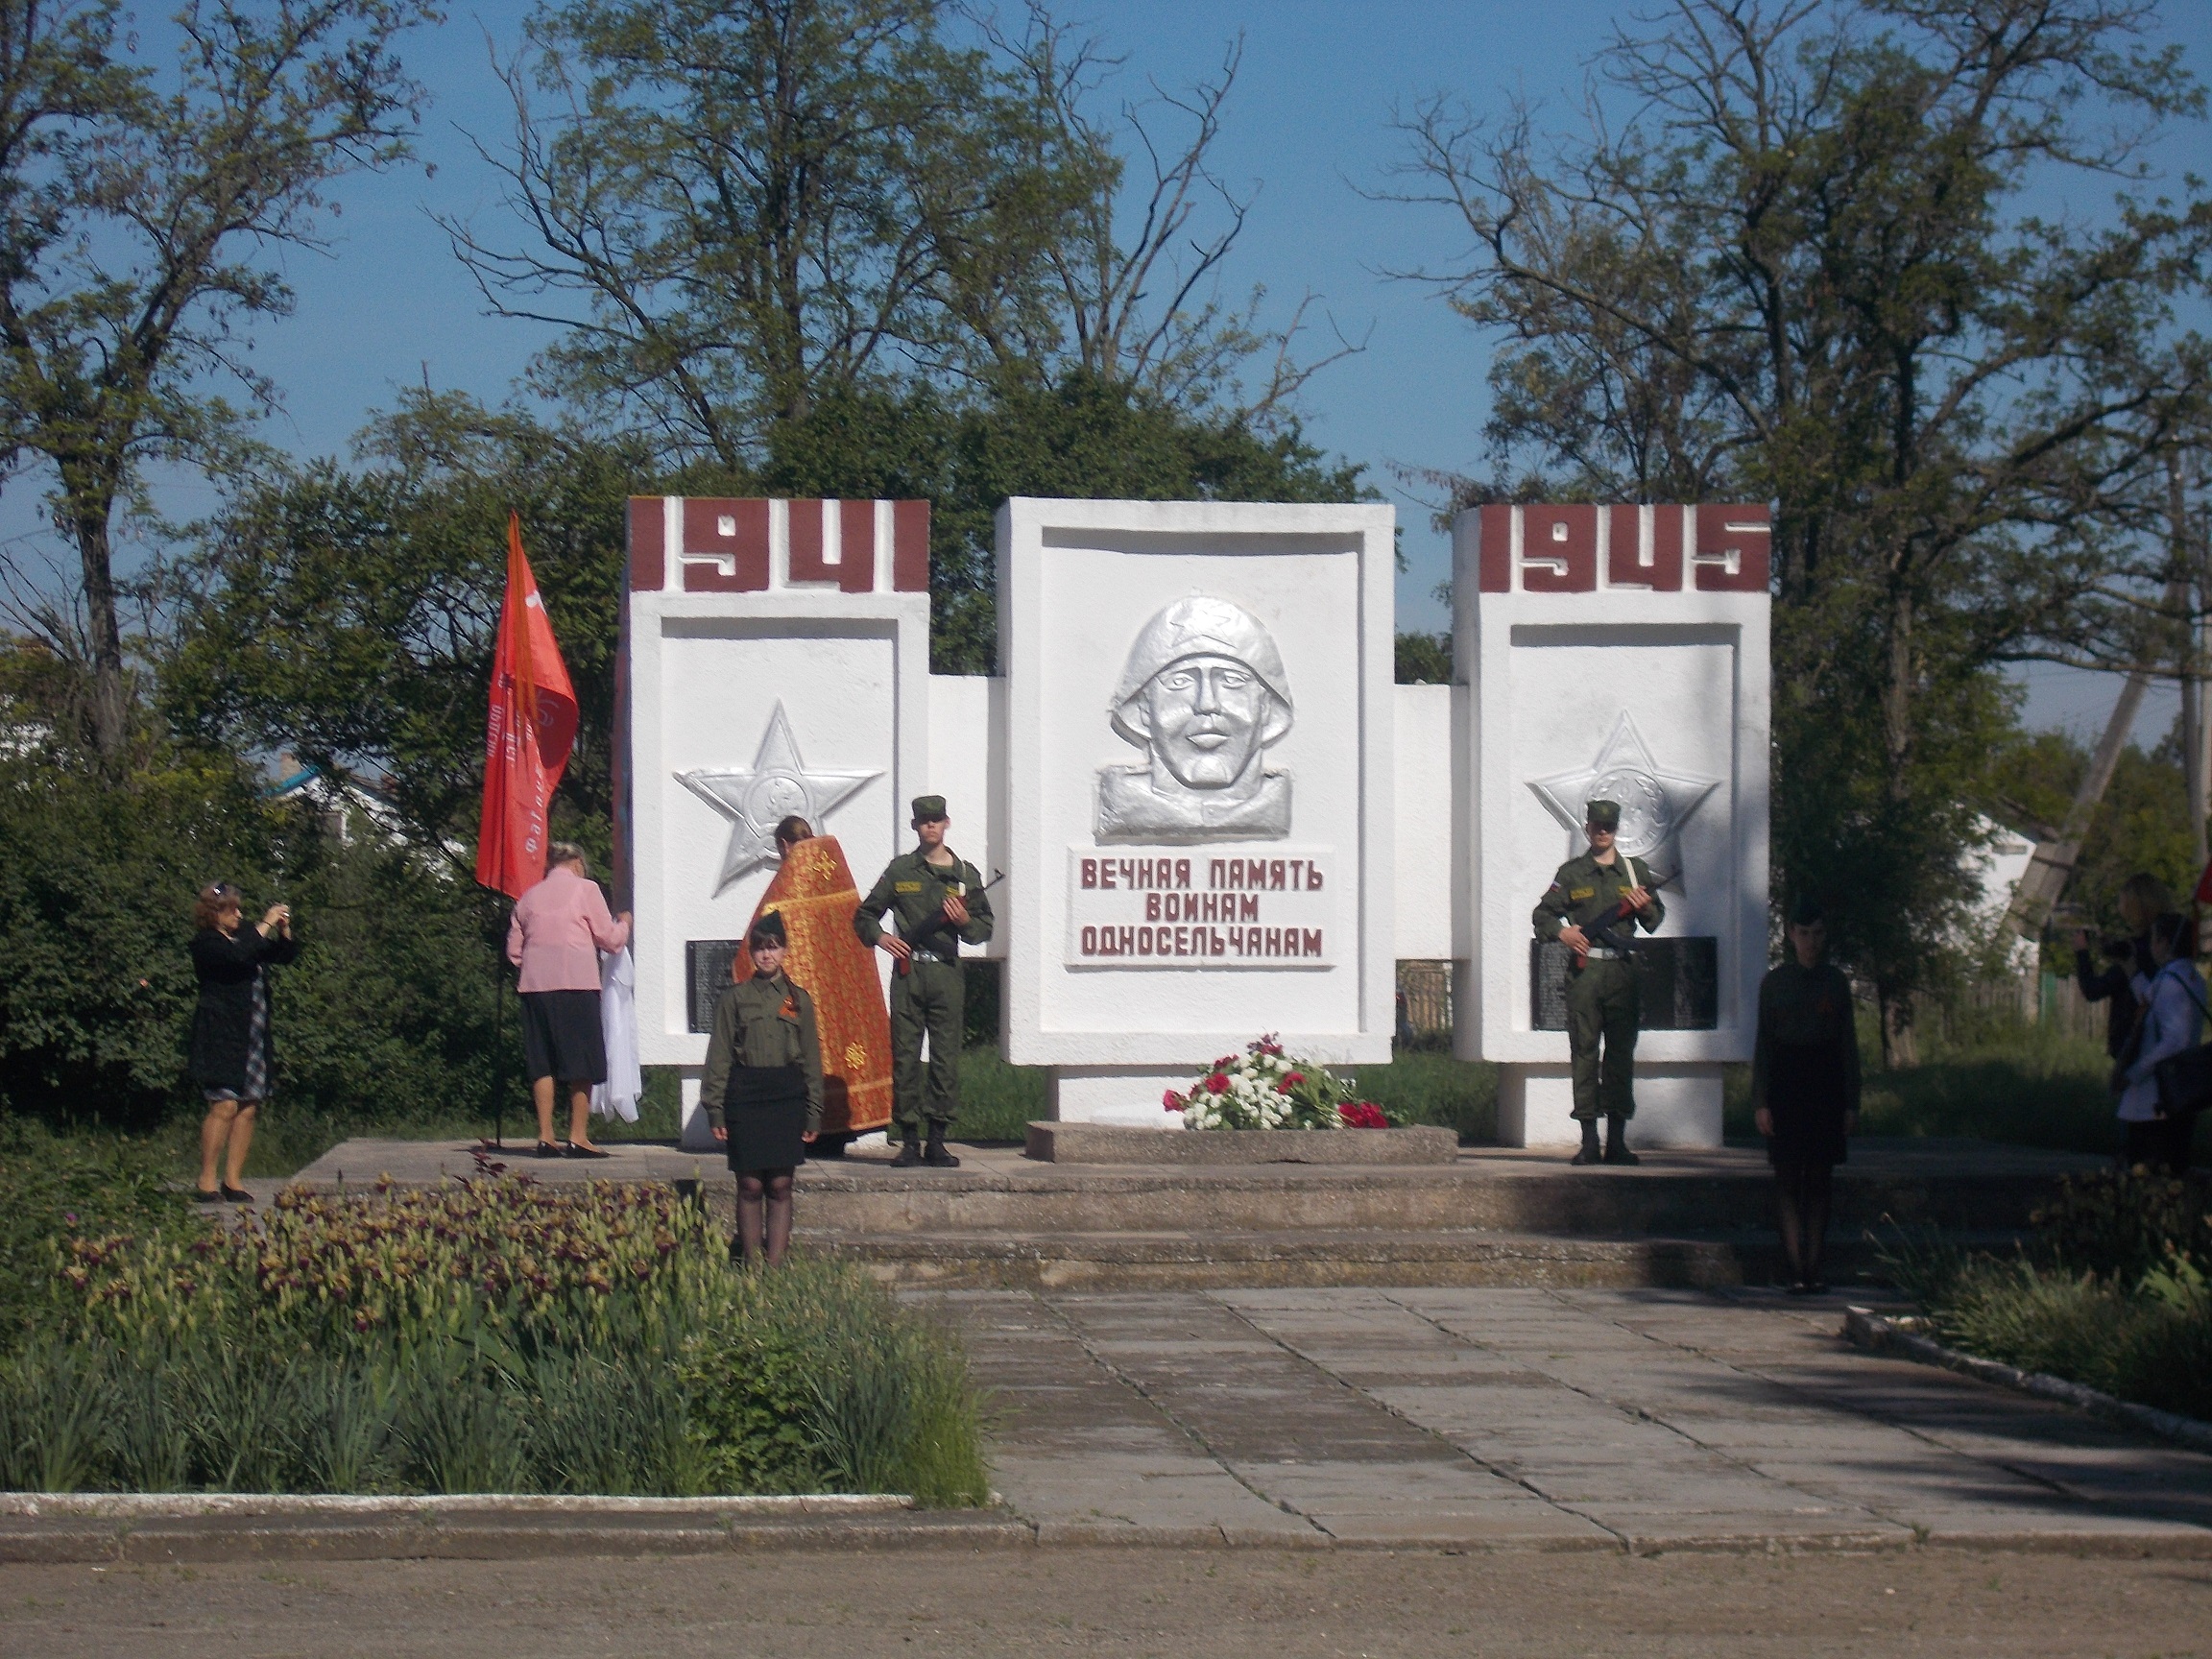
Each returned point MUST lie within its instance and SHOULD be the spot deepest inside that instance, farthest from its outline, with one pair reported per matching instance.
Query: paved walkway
(1650, 1420)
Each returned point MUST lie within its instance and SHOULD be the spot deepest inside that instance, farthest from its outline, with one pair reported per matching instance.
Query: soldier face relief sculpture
(1204, 696)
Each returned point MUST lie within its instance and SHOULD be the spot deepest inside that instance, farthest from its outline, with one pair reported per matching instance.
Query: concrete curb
(1863, 1328)
(187, 1527)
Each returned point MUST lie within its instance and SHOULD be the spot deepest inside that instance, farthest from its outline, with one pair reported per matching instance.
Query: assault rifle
(937, 925)
(1598, 927)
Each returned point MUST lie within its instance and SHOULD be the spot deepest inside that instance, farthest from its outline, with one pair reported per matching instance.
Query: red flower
(1216, 1084)
(1171, 1101)
(1362, 1114)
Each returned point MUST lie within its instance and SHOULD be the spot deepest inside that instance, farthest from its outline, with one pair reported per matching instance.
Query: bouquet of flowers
(1267, 1089)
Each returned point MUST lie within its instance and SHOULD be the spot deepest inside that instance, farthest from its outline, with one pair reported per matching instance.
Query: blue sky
(1308, 126)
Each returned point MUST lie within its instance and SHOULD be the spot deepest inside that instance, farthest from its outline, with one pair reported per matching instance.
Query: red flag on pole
(527, 737)
(2203, 893)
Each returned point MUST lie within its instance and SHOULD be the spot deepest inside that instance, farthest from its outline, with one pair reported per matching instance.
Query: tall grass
(484, 1336)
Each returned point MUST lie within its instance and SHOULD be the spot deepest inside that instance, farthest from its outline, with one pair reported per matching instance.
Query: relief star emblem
(1654, 804)
(754, 799)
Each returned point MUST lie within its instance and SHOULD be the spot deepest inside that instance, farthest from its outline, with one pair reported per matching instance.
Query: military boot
(939, 1156)
(1589, 1153)
(1617, 1141)
(910, 1154)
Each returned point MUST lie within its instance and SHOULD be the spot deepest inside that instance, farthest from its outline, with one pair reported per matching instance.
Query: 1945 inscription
(1186, 907)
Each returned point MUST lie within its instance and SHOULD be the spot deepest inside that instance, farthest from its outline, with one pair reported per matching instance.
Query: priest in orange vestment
(813, 892)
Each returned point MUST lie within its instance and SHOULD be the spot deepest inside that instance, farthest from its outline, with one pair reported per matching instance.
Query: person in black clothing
(231, 1053)
(2142, 896)
(1805, 1089)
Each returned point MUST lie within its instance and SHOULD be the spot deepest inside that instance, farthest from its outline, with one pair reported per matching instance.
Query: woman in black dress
(762, 1092)
(232, 1055)
(1805, 1089)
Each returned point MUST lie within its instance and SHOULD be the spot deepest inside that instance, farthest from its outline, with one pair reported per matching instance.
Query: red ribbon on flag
(527, 736)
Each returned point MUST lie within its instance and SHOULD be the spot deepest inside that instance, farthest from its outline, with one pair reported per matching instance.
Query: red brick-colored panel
(1494, 548)
(738, 530)
(910, 546)
(1559, 549)
(856, 537)
(1630, 565)
(1735, 551)
(648, 545)
(804, 518)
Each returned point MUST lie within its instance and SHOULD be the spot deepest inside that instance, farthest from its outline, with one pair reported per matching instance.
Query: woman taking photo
(1805, 1089)
(232, 1057)
(2171, 1022)
(763, 1091)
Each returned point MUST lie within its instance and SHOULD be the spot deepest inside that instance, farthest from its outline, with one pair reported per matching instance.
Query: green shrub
(2113, 1293)
(52, 1185)
(488, 1336)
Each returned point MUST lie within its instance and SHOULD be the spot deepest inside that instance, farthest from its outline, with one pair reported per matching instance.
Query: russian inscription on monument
(1200, 907)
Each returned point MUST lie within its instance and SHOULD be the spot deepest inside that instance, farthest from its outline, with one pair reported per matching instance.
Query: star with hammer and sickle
(1654, 804)
(758, 798)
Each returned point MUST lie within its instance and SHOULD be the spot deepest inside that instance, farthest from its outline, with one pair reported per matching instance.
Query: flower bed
(1267, 1089)
(488, 1336)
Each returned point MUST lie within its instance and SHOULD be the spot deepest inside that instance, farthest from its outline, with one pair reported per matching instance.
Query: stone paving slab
(1637, 1420)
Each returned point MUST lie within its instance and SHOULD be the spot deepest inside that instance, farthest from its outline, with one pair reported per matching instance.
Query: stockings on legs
(776, 1185)
(751, 1204)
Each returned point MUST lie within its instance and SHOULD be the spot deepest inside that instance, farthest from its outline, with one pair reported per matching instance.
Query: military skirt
(765, 1111)
(1808, 1094)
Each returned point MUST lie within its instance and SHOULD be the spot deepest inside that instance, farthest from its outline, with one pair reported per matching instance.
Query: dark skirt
(765, 1112)
(1806, 1092)
(561, 1037)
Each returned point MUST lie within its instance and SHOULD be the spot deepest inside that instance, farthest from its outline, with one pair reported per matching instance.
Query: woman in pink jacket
(558, 929)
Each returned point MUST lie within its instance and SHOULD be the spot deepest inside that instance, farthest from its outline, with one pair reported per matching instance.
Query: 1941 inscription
(1186, 907)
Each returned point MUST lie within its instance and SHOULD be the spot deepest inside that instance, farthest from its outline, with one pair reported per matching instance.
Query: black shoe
(737, 1252)
(1588, 1155)
(1618, 1153)
(578, 1150)
(909, 1155)
(938, 1157)
(199, 1198)
(549, 1148)
(235, 1194)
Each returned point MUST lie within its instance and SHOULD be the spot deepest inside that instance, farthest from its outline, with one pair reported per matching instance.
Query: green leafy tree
(1801, 269)
(347, 617)
(141, 219)
(742, 208)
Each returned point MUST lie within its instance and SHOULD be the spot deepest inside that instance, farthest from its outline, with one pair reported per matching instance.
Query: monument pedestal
(1124, 1097)
(1675, 1106)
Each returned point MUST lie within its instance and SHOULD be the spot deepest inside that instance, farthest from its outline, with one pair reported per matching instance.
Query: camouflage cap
(1602, 814)
(929, 808)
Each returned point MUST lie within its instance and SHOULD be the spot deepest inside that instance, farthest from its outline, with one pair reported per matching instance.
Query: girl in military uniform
(1805, 1089)
(763, 1091)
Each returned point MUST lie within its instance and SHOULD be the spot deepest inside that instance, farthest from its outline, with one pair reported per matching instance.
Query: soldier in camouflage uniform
(1601, 1002)
(939, 902)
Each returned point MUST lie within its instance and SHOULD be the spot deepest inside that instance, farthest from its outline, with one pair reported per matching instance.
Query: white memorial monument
(1614, 653)
(776, 661)
(1197, 762)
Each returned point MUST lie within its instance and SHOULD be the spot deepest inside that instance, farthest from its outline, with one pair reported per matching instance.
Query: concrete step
(1666, 1197)
(1135, 1260)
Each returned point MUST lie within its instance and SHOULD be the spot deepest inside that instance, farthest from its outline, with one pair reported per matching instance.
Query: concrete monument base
(697, 1137)
(1127, 1097)
(1675, 1106)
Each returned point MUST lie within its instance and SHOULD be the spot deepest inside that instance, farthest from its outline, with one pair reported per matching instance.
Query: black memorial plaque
(1679, 979)
(706, 976)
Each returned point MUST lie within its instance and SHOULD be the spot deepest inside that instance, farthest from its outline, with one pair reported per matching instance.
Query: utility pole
(2190, 574)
